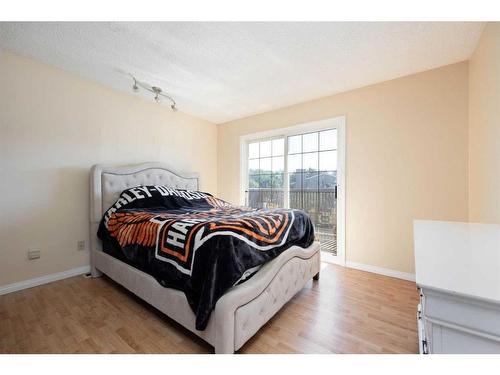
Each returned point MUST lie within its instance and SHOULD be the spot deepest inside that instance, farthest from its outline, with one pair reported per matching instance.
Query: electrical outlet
(34, 254)
(80, 245)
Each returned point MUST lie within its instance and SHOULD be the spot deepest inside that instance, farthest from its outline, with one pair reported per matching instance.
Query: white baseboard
(381, 271)
(9, 288)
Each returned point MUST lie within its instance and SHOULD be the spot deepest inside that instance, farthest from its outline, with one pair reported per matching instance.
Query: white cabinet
(458, 274)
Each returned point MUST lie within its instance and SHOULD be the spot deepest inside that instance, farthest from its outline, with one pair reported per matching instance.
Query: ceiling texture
(225, 71)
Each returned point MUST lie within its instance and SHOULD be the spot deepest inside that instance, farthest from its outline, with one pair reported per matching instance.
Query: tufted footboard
(241, 312)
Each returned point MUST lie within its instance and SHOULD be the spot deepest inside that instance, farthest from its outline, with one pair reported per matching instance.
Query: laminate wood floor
(347, 311)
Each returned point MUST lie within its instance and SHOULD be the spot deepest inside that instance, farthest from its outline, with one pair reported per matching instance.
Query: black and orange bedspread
(197, 243)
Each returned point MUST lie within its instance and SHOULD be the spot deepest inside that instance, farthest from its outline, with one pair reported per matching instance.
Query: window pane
(310, 180)
(267, 197)
(277, 181)
(295, 180)
(278, 164)
(328, 203)
(253, 150)
(328, 161)
(310, 142)
(265, 165)
(265, 149)
(253, 181)
(295, 144)
(295, 193)
(310, 161)
(254, 198)
(327, 180)
(277, 199)
(310, 203)
(328, 140)
(278, 147)
(294, 163)
(265, 181)
(327, 220)
(253, 166)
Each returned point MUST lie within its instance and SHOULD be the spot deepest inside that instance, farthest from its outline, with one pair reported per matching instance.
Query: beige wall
(484, 122)
(53, 127)
(406, 158)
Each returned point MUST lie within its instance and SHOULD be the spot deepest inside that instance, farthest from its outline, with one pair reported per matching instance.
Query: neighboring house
(323, 180)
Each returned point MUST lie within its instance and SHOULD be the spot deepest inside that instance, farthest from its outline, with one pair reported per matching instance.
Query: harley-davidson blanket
(197, 243)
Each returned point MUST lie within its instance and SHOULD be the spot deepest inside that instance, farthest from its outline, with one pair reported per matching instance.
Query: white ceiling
(225, 71)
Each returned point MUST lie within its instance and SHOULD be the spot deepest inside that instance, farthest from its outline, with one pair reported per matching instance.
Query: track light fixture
(157, 91)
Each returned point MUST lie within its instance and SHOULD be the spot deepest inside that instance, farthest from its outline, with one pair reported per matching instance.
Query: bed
(242, 310)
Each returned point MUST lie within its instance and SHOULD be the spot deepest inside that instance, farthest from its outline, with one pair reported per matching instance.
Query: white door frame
(338, 123)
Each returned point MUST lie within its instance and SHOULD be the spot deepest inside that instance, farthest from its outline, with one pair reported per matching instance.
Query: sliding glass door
(312, 182)
(297, 170)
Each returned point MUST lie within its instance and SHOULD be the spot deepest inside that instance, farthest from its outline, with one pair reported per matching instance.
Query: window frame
(316, 126)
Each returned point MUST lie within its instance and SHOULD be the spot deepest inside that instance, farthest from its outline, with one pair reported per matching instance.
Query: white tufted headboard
(107, 182)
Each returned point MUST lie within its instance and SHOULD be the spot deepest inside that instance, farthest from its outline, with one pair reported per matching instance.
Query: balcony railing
(320, 204)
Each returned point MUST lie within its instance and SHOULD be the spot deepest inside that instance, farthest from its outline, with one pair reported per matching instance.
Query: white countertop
(458, 257)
